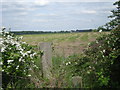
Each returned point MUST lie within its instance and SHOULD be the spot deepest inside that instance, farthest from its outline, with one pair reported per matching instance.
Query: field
(67, 63)
(64, 44)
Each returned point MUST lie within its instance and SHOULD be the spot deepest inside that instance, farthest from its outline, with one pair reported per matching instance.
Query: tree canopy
(115, 18)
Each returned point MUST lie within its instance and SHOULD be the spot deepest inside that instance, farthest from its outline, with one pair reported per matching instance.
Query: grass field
(64, 44)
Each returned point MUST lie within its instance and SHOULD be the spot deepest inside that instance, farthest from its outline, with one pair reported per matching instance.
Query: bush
(99, 65)
(17, 56)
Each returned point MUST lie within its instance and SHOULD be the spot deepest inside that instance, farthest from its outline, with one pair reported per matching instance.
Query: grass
(64, 43)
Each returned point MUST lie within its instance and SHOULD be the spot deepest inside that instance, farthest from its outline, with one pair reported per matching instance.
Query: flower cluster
(17, 56)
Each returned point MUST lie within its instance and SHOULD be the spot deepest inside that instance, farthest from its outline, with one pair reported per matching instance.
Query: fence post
(77, 82)
(46, 59)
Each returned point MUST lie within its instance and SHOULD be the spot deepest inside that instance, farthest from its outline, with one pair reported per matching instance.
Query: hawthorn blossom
(17, 67)
(104, 51)
(17, 52)
(66, 64)
(100, 30)
(29, 75)
(9, 61)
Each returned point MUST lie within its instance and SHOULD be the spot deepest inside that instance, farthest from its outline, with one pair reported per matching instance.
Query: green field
(64, 43)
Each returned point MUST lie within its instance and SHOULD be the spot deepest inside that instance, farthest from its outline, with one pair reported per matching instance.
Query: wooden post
(77, 82)
(46, 59)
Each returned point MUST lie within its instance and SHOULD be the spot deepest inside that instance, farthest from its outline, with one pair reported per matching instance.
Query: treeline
(45, 32)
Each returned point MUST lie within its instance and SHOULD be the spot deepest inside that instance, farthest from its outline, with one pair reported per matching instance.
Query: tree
(115, 18)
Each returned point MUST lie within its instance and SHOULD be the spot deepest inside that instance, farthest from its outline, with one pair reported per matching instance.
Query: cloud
(44, 14)
(18, 19)
(22, 13)
(82, 0)
(11, 6)
(41, 2)
(89, 11)
(40, 20)
(50, 15)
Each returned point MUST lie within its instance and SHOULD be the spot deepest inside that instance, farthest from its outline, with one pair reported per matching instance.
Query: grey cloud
(56, 15)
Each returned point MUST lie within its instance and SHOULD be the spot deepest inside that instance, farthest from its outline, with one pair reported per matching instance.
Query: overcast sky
(54, 15)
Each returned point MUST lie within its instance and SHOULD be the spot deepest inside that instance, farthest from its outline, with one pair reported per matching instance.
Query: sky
(54, 15)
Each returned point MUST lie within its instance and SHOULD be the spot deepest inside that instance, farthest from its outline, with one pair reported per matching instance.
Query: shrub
(99, 66)
(17, 56)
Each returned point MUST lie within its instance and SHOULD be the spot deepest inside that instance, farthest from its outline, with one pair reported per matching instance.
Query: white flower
(34, 54)
(66, 64)
(7, 32)
(21, 37)
(96, 41)
(95, 62)
(9, 61)
(8, 66)
(88, 72)
(3, 49)
(9, 37)
(100, 30)
(20, 59)
(75, 62)
(35, 66)
(104, 51)
(32, 61)
(103, 56)
(29, 75)
(23, 42)
(88, 44)
(101, 52)
(30, 68)
(31, 56)
(23, 54)
(89, 66)
(1, 63)
(17, 67)
(28, 51)
(69, 62)
(1, 41)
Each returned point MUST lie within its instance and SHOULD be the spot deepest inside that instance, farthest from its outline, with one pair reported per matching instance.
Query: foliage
(17, 57)
(99, 65)
(115, 18)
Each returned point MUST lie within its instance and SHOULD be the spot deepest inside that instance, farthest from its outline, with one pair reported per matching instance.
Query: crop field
(64, 44)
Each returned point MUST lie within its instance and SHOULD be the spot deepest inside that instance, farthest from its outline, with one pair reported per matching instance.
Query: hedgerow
(99, 65)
